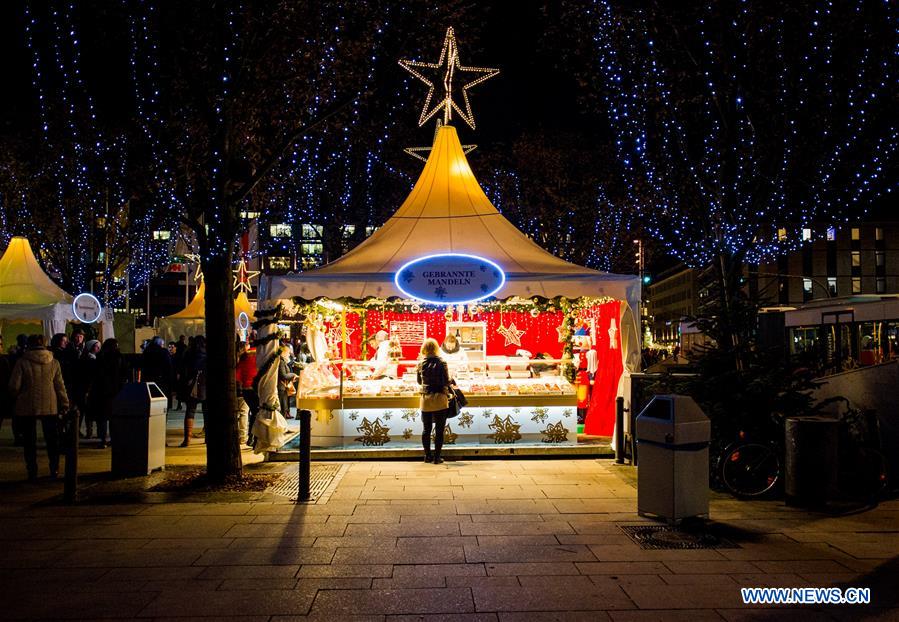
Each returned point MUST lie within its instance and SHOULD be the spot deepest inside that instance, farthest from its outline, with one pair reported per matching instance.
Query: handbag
(458, 401)
(432, 402)
(291, 388)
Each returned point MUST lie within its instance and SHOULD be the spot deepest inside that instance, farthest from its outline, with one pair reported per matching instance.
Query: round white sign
(449, 278)
(87, 308)
(243, 320)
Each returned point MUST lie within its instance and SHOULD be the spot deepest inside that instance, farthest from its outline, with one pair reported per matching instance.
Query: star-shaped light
(449, 62)
(242, 277)
(563, 331)
(511, 334)
(415, 151)
(613, 331)
(195, 258)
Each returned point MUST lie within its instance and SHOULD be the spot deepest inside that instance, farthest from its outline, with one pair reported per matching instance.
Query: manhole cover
(665, 537)
(320, 477)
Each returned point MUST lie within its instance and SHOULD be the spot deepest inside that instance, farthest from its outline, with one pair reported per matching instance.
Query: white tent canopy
(27, 294)
(448, 212)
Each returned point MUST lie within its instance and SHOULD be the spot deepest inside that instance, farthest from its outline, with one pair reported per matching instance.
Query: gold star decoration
(415, 151)
(504, 430)
(511, 334)
(242, 277)
(449, 62)
(563, 331)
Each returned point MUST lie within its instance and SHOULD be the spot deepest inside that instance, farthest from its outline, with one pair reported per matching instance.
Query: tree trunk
(222, 446)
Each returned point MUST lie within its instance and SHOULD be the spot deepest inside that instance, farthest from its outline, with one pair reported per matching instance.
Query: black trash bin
(811, 457)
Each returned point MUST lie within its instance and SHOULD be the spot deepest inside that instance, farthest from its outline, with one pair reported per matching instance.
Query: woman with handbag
(435, 382)
(286, 383)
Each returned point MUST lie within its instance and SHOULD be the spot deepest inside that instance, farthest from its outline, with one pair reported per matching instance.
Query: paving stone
(549, 598)
(394, 583)
(699, 579)
(617, 568)
(445, 617)
(515, 529)
(538, 540)
(627, 579)
(760, 579)
(602, 537)
(555, 616)
(570, 553)
(401, 555)
(163, 585)
(128, 558)
(181, 603)
(416, 528)
(677, 597)
(286, 542)
(784, 614)
(440, 570)
(250, 583)
(251, 530)
(69, 604)
(692, 615)
(802, 567)
(345, 570)
(356, 542)
(175, 543)
(260, 556)
(446, 600)
(479, 581)
(531, 568)
(541, 581)
(710, 567)
(159, 573)
(631, 552)
(506, 518)
(335, 583)
(249, 572)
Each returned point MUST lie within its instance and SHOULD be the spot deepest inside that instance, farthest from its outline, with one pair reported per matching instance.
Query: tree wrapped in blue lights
(731, 121)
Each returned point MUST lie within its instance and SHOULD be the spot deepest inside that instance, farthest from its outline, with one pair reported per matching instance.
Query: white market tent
(191, 320)
(27, 294)
(448, 212)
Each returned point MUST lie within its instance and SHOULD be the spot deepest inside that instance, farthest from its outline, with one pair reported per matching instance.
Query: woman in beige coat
(40, 394)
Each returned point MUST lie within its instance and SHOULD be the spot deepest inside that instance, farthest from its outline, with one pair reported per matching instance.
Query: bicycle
(754, 469)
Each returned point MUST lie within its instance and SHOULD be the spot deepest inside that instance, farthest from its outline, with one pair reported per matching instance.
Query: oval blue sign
(449, 278)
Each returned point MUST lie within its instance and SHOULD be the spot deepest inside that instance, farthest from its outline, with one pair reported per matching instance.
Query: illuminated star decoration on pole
(195, 258)
(449, 56)
(511, 334)
(415, 151)
(242, 277)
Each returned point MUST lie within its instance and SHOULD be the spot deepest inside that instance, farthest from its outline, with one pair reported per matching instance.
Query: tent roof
(196, 310)
(447, 211)
(23, 282)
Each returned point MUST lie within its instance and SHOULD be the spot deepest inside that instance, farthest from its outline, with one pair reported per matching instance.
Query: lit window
(881, 285)
(831, 234)
(369, 230)
(312, 231)
(832, 285)
(162, 235)
(307, 263)
(781, 234)
(856, 234)
(878, 233)
(880, 259)
(348, 230)
(806, 234)
(279, 230)
(856, 259)
(311, 249)
(101, 222)
(101, 256)
(856, 285)
(280, 263)
(248, 215)
(807, 286)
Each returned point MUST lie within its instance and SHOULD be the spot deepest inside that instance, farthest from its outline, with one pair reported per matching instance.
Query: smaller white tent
(191, 320)
(27, 294)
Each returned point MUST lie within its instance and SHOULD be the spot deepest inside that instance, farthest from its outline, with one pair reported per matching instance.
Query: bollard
(619, 430)
(70, 484)
(305, 455)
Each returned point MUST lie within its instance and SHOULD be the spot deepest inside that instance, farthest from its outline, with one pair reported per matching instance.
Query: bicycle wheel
(750, 469)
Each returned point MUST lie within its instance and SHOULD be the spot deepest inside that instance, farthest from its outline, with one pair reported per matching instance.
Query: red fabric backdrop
(600, 419)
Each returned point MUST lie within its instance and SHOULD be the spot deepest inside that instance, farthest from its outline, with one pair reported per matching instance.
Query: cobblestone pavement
(469, 540)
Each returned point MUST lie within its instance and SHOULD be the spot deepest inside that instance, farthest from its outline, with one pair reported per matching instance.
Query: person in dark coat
(195, 384)
(156, 366)
(36, 383)
(15, 354)
(433, 376)
(59, 346)
(182, 347)
(111, 374)
(6, 404)
(285, 378)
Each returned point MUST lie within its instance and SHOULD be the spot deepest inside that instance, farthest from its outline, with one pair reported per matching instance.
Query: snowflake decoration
(465, 419)
(504, 430)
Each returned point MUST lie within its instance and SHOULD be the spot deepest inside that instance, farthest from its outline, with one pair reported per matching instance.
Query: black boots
(428, 456)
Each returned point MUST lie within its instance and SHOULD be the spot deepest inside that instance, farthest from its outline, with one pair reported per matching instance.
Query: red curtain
(606, 317)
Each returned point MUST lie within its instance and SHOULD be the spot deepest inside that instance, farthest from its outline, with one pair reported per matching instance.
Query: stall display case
(361, 411)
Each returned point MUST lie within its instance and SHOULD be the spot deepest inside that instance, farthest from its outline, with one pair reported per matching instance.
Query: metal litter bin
(138, 429)
(673, 473)
(811, 456)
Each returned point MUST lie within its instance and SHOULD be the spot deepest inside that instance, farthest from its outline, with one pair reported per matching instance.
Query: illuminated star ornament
(416, 152)
(195, 258)
(449, 63)
(613, 332)
(511, 334)
(563, 331)
(242, 277)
